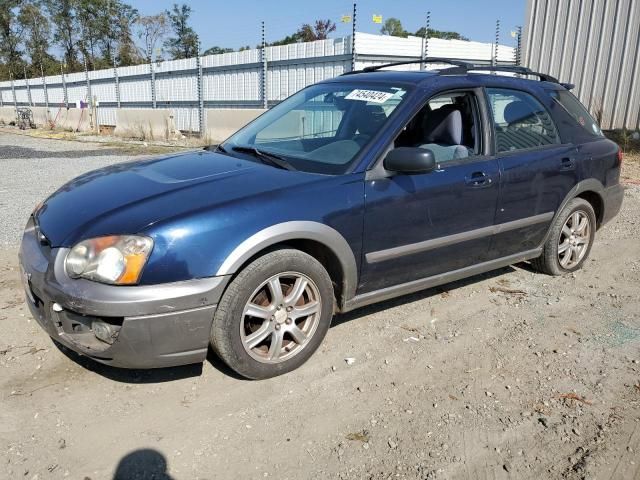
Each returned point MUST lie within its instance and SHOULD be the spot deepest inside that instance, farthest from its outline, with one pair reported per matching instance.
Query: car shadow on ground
(160, 375)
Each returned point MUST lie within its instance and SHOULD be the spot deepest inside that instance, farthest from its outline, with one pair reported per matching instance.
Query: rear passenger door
(537, 170)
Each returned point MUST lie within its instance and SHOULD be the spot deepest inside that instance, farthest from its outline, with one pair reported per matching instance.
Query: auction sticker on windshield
(373, 96)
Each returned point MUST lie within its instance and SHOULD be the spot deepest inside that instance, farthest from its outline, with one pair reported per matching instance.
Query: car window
(323, 127)
(580, 114)
(520, 120)
(447, 125)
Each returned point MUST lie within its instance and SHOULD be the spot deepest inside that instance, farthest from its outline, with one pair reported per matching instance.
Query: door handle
(567, 163)
(477, 179)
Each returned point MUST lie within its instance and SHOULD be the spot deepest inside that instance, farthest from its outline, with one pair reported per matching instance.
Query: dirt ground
(512, 374)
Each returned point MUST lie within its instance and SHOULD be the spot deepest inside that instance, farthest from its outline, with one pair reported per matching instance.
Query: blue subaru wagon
(354, 190)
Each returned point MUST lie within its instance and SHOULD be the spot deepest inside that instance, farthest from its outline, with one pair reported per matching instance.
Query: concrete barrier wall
(223, 122)
(7, 114)
(72, 119)
(145, 124)
(40, 116)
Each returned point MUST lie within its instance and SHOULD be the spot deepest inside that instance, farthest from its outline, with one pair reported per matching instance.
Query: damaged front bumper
(149, 326)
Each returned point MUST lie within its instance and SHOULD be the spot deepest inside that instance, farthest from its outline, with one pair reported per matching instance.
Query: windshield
(321, 128)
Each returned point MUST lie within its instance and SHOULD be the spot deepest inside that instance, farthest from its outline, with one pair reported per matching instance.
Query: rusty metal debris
(362, 436)
(577, 398)
(509, 291)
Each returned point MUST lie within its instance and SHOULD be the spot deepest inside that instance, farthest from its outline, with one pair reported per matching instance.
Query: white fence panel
(77, 92)
(104, 92)
(179, 88)
(234, 80)
(135, 91)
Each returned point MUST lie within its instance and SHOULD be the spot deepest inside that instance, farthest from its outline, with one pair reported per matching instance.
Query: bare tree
(152, 31)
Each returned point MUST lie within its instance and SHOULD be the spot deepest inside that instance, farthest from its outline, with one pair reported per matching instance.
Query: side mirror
(410, 160)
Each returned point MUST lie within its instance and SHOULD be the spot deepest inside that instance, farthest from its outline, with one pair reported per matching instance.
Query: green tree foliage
(104, 32)
(320, 30)
(10, 38)
(65, 32)
(441, 34)
(98, 31)
(217, 50)
(184, 43)
(393, 27)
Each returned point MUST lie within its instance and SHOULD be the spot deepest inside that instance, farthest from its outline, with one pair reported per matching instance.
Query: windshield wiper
(265, 157)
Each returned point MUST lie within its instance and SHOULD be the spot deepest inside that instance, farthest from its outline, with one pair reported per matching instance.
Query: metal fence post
(425, 41)
(64, 88)
(13, 91)
(28, 88)
(494, 60)
(200, 96)
(519, 46)
(117, 81)
(44, 87)
(86, 76)
(353, 37)
(265, 100)
(92, 120)
(152, 72)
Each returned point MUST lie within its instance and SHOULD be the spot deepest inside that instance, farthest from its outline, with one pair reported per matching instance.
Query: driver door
(421, 225)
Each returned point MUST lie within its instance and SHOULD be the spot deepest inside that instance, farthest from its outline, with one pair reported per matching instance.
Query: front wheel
(570, 239)
(274, 314)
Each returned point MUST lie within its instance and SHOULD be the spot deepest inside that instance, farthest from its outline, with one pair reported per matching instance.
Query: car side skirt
(436, 280)
(391, 253)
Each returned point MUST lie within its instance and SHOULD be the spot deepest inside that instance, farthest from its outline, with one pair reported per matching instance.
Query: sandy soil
(507, 375)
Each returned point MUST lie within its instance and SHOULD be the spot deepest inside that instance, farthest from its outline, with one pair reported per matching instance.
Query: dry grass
(631, 168)
(625, 138)
(128, 148)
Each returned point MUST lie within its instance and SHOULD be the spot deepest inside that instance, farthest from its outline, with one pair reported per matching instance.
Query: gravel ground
(508, 375)
(33, 168)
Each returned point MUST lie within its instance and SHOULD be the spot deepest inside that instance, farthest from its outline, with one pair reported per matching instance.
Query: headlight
(116, 259)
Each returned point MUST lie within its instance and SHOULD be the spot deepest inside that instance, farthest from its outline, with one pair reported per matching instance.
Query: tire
(250, 311)
(553, 259)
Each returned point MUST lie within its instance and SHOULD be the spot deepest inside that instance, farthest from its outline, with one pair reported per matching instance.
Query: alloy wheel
(574, 239)
(280, 317)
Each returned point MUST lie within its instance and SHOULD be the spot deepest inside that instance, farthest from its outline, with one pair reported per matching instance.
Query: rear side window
(521, 122)
(580, 114)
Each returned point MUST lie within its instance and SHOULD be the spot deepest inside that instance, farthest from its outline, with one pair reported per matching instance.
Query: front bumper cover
(157, 325)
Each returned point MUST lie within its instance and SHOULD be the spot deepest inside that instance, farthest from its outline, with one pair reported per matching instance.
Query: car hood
(127, 197)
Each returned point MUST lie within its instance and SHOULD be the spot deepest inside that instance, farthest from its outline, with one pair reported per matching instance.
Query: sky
(236, 23)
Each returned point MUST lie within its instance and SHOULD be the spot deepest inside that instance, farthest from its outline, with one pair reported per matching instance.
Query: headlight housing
(117, 259)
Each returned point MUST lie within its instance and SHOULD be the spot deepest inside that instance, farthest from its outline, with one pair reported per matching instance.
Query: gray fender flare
(297, 230)
(588, 185)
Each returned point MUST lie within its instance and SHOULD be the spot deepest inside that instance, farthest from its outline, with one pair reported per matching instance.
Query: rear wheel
(273, 315)
(570, 239)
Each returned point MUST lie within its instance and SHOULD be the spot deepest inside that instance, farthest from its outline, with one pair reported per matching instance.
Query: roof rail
(515, 69)
(448, 61)
(461, 67)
